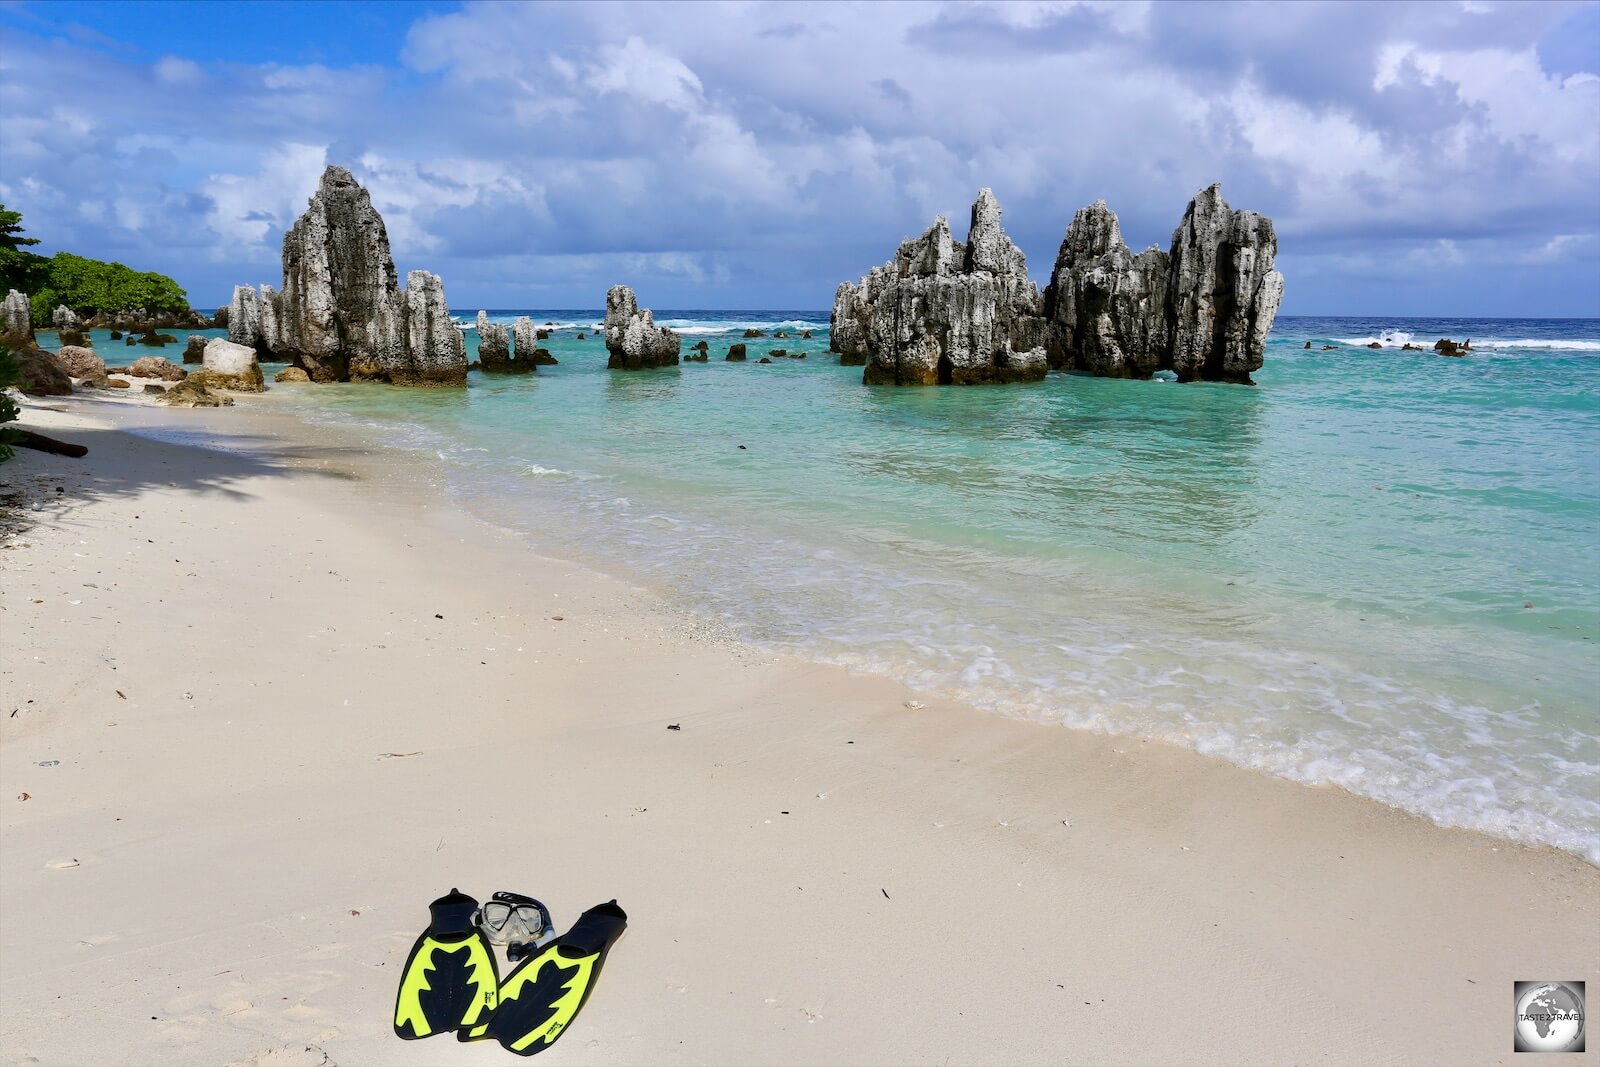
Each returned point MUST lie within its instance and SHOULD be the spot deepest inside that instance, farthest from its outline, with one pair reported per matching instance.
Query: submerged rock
(945, 313)
(632, 336)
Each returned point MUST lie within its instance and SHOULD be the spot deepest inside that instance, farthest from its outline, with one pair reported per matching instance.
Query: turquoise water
(1377, 569)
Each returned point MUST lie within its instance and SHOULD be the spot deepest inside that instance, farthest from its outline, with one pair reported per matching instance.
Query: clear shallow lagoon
(1378, 569)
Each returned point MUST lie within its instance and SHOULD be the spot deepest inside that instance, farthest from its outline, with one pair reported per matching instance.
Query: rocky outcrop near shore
(83, 363)
(943, 312)
(342, 315)
(40, 373)
(16, 320)
(226, 365)
(194, 349)
(253, 318)
(494, 344)
(632, 336)
(64, 318)
(1107, 307)
(1224, 291)
(157, 367)
(1202, 310)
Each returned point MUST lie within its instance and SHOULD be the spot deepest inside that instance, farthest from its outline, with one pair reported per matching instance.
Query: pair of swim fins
(452, 983)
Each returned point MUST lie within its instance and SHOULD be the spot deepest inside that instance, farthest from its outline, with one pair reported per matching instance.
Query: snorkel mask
(520, 923)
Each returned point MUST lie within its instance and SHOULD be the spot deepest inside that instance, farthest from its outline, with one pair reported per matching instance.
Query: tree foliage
(87, 286)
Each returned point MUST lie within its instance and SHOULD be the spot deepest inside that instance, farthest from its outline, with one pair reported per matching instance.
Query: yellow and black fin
(450, 981)
(540, 998)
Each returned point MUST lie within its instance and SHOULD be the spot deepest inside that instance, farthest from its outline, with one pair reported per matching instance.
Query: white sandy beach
(295, 696)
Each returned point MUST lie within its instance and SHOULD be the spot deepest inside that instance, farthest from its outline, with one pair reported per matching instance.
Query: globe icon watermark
(1549, 1017)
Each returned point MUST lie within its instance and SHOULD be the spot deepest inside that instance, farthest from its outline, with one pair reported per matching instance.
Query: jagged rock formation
(525, 342)
(16, 320)
(494, 345)
(945, 313)
(736, 353)
(632, 336)
(1202, 310)
(1224, 291)
(342, 315)
(951, 313)
(194, 349)
(253, 318)
(64, 318)
(1107, 307)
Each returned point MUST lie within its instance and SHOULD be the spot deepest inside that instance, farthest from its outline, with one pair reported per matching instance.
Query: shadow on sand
(40, 487)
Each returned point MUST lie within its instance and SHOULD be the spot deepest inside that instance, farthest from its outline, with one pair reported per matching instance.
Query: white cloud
(766, 151)
(252, 209)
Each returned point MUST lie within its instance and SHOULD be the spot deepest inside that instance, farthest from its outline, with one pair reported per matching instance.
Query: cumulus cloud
(741, 155)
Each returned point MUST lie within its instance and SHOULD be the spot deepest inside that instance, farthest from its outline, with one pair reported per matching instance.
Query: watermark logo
(1549, 1016)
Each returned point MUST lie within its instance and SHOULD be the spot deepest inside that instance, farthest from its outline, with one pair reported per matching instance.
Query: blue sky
(1432, 158)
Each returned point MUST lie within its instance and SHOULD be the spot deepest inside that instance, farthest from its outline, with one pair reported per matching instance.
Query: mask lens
(495, 916)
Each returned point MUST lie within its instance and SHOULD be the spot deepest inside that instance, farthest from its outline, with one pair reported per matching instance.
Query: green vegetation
(87, 286)
(8, 406)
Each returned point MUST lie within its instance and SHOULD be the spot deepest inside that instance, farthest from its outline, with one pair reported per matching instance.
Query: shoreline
(924, 835)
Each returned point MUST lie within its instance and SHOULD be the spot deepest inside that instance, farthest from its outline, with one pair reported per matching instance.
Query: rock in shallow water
(494, 344)
(945, 313)
(342, 314)
(951, 313)
(633, 339)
